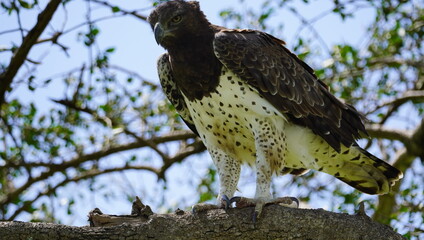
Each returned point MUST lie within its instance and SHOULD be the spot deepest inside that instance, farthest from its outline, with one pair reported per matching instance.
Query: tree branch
(185, 151)
(411, 95)
(21, 53)
(405, 158)
(276, 222)
(387, 61)
(135, 74)
(125, 12)
(379, 131)
(387, 203)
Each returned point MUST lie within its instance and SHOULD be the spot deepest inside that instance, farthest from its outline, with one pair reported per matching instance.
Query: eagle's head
(176, 22)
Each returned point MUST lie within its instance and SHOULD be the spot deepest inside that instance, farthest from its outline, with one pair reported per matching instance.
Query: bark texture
(276, 222)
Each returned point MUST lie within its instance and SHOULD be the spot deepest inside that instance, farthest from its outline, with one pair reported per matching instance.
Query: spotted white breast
(236, 119)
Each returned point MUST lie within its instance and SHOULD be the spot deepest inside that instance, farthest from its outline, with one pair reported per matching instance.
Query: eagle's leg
(263, 178)
(270, 155)
(265, 148)
(263, 185)
(229, 172)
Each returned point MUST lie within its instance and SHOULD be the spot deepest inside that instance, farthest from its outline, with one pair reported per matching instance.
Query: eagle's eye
(176, 19)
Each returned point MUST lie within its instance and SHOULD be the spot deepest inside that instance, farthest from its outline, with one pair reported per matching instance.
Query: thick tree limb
(405, 157)
(276, 222)
(381, 132)
(413, 140)
(21, 53)
(387, 203)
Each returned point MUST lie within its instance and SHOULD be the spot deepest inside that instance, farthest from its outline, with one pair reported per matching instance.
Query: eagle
(251, 100)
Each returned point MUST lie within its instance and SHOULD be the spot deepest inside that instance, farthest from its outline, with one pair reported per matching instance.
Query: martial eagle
(253, 101)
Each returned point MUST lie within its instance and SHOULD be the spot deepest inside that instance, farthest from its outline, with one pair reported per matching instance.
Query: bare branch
(70, 104)
(379, 131)
(132, 73)
(12, 30)
(150, 144)
(54, 39)
(411, 95)
(121, 14)
(413, 140)
(196, 147)
(391, 60)
(308, 24)
(125, 12)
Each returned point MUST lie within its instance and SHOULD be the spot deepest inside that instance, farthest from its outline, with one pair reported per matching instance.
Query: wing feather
(288, 84)
(171, 91)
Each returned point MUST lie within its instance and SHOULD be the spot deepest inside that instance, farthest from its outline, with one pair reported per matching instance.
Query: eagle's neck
(194, 64)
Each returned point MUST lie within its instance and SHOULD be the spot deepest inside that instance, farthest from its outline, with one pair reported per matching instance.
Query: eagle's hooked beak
(159, 33)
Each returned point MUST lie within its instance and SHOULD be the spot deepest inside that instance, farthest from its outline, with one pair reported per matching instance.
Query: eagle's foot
(242, 202)
(225, 203)
(290, 202)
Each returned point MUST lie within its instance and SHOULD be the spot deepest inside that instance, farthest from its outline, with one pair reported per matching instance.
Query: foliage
(103, 118)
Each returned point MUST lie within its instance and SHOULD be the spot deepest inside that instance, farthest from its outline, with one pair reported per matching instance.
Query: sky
(137, 50)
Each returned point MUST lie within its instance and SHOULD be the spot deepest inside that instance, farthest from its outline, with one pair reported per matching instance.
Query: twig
(54, 40)
(311, 28)
(148, 143)
(132, 73)
(12, 30)
(411, 95)
(125, 12)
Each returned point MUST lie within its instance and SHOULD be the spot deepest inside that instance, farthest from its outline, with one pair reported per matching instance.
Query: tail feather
(360, 169)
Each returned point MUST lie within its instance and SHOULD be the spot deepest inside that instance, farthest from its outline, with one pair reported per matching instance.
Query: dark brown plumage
(195, 67)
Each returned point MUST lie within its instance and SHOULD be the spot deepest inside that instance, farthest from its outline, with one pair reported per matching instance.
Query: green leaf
(105, 108)
(110, 50)
(265, 15)
(224, 13)
(115, 9)
(25, 4)
(133, 158)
